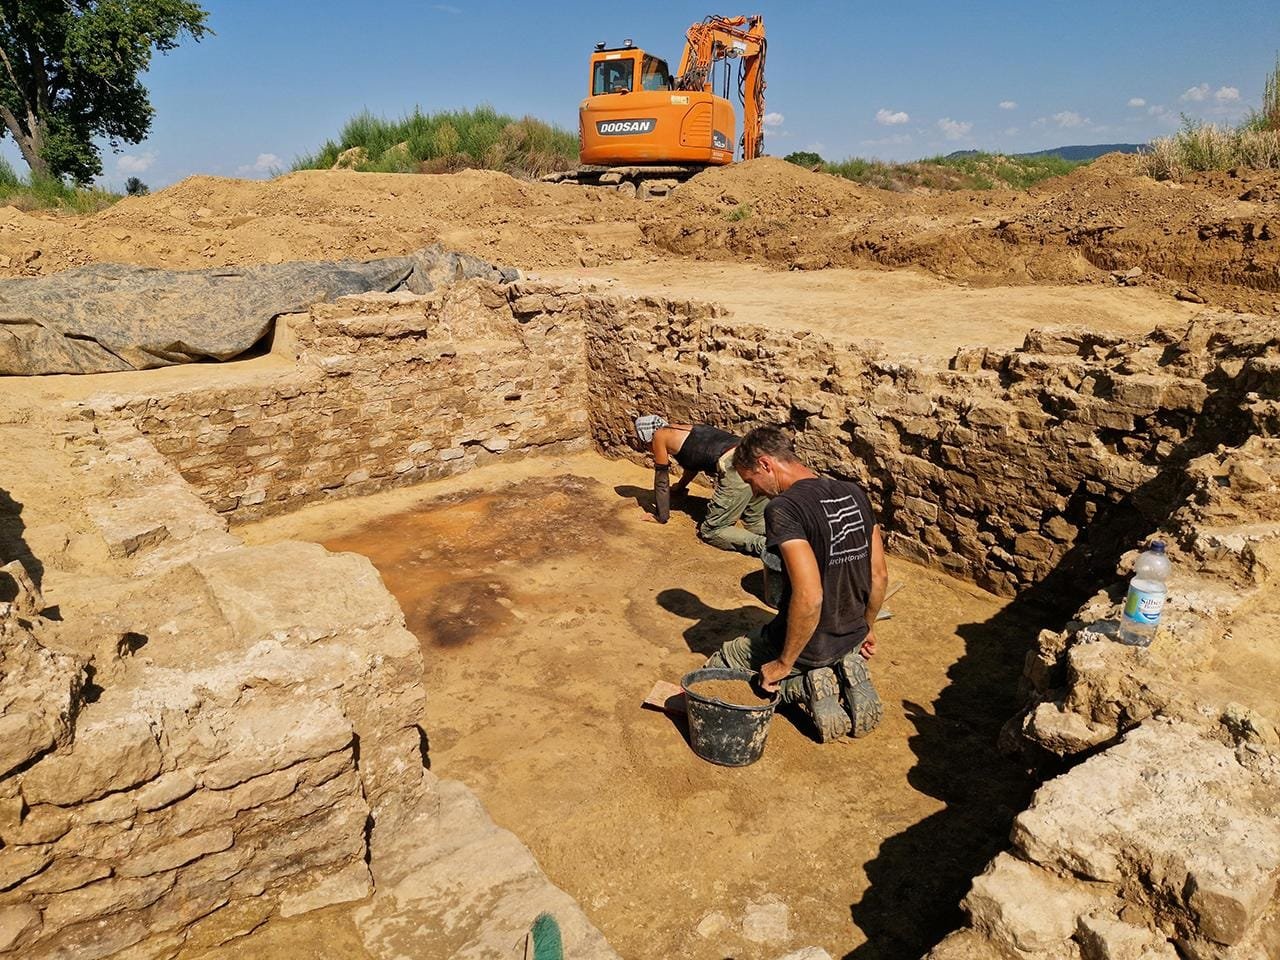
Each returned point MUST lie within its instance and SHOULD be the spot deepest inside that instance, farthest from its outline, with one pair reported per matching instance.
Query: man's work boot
(865, 709)
(823, 701)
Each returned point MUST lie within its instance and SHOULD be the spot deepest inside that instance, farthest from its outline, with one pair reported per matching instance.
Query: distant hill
(1089, 151)
(1077, 153)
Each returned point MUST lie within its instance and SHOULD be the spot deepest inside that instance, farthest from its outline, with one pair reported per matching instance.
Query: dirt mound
(1215, 237)
(778, 190)
(318, 215)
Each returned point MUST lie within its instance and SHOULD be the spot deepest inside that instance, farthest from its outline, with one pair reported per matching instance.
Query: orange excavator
(642, 129)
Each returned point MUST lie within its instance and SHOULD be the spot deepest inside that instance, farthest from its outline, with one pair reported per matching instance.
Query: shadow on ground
(711, 626)
(686, 503)
(919, 876)
(13, 546)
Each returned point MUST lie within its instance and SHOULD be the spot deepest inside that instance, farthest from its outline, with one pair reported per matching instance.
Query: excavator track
(645, 182)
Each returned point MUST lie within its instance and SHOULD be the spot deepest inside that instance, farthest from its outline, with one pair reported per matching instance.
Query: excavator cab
(619, 76)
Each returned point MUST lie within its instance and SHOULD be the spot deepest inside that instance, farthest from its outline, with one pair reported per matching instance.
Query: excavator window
(654, 74)
(612, 76)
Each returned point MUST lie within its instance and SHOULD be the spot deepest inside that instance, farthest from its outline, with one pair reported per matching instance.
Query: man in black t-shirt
(816, 648)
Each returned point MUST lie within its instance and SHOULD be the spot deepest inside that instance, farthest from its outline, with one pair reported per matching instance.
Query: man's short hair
(764, 442)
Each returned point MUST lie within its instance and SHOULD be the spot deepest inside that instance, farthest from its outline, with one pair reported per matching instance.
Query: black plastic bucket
(729, 734)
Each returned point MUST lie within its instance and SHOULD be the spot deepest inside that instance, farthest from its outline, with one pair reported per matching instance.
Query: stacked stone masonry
(387, 389)
(1161, 840)
(220, 741)
(993, 467)
(202, 735)
(1005, 468)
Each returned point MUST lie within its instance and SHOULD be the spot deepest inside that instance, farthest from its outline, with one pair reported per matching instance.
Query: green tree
(804, 158)
(69, 73)
(134, 187)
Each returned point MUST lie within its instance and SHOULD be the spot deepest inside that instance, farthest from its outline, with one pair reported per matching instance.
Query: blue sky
(890, 80)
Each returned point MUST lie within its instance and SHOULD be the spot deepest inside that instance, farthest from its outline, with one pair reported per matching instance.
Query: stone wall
(201, 735)
(1001, 467)
(384, 389)
(209, 729)
(1160, 840)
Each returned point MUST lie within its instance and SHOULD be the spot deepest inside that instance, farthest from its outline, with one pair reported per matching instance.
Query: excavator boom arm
(722, 38)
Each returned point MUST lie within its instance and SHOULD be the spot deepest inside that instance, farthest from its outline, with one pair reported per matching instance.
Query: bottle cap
(1157, 546)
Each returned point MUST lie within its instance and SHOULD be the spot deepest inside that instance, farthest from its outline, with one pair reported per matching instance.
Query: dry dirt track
(546, 609)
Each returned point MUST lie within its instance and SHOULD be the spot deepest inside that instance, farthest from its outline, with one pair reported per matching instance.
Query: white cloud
(135, 163)
(1137, 102)
(1010, 131)
(954, 129)
(815, 147)
(446, 8)
(1157, 110)
(1068, 119)
(773, 119)
(1008, 105)
(891, 118)
(1227, 95)
(265, 163)
(1197, 93)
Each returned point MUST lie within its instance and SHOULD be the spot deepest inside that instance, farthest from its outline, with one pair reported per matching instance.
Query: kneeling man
(816, 649)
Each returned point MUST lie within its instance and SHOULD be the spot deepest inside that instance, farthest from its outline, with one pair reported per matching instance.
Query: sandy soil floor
(547, 608)
(903, 309)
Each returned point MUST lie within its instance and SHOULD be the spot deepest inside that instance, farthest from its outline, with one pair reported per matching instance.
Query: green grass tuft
(448, 141)
(1200, 147)
(740, 212)
(1254, 145)
(970, 171)
(49, 193)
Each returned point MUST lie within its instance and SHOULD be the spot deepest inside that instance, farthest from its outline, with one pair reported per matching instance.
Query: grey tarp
(105, 317)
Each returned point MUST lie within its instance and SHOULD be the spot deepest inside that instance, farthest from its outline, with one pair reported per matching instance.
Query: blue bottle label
(1142, 607)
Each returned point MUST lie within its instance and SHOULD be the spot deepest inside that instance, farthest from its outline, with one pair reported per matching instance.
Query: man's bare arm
(879, 584)
(686, 478)
(803, 613)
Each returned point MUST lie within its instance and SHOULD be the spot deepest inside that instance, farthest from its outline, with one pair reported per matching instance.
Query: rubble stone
(766, 921)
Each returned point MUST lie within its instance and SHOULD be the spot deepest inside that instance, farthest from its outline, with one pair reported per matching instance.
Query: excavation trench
(476, 446)
(546, 608)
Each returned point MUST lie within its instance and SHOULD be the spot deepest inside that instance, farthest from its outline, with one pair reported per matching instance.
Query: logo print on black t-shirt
(848, 528)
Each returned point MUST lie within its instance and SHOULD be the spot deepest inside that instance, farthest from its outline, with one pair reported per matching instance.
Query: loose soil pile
(1215, 237)
(313, 215)
(737, 692)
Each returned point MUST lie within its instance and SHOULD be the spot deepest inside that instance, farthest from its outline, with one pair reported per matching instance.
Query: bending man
(698, 448)
(816, 649)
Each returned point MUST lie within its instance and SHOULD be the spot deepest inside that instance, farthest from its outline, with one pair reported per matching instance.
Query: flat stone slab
(450, 883)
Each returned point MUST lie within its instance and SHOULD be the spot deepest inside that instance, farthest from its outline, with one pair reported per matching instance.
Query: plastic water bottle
(1147, 592)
